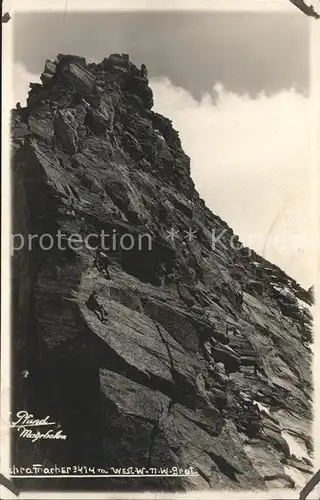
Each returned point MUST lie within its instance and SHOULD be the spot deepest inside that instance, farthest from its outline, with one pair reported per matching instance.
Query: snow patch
(262, 407)
(159, 135)
(296, 447)
(303, 305)
(286, 292)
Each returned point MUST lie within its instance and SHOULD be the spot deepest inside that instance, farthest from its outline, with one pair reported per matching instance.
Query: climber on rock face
(306, 9)
(102, 262)
(94, 306)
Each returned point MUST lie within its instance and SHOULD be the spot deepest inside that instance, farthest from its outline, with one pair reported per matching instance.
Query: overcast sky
(236, 87)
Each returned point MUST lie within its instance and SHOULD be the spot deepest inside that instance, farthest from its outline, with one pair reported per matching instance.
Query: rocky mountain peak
(167, 343)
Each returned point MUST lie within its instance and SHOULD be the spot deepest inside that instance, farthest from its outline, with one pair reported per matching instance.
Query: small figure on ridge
(94, 306)
(102, 262)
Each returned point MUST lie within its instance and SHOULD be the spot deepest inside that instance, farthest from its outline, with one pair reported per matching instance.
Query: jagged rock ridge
(205, 357)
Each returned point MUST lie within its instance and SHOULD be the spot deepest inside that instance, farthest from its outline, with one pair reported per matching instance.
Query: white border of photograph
(66, 6)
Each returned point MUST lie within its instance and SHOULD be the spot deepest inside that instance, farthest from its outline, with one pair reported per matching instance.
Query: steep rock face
(204, 359)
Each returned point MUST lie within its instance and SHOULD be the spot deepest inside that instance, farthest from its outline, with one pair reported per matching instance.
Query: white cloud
(21, 79)
(251, 164)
